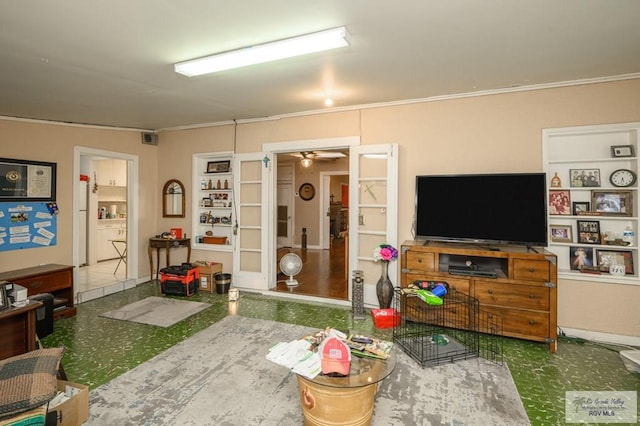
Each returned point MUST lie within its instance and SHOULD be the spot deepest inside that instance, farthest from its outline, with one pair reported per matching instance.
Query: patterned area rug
(220, 376)
(160, 311)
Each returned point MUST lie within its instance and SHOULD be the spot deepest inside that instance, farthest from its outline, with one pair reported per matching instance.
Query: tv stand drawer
(534, 270)
(511, 295)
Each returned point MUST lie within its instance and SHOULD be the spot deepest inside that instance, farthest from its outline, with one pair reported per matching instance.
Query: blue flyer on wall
(27, 225)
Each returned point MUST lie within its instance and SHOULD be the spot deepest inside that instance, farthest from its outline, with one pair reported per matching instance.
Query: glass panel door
(373, 212)
(249, 259)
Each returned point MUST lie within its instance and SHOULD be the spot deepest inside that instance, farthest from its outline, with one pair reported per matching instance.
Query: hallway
(324, 272)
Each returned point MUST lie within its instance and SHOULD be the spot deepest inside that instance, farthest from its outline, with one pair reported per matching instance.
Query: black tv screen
(508, 208)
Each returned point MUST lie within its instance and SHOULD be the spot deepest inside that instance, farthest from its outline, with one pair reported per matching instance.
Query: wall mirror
(173, 201)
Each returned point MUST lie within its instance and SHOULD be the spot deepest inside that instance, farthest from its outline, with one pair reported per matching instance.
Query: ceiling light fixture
(287, 48)
(328, 102)
(306, 160)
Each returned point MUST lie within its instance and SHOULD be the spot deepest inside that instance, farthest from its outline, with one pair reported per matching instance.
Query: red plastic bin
(385, 318)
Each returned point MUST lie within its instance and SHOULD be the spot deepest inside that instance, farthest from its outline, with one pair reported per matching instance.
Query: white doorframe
(271, 149)
(132, 207)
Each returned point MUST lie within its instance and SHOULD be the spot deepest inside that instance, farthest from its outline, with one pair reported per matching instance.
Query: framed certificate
(24, 180)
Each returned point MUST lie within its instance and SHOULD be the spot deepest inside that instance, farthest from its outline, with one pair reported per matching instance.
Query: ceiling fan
(307, 157)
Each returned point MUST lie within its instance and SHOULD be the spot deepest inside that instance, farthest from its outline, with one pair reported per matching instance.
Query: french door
(251, 253)
(373, 211)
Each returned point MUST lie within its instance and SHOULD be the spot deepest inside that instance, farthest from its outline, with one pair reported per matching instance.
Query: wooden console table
(18, 327)
(167, 244)
(51, 278)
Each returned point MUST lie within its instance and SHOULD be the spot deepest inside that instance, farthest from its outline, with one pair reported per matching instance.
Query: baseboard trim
(596, 336)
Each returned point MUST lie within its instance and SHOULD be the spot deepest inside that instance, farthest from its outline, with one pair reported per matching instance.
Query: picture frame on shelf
(584, 178)
(580, 257)
(589, 232)
(580, 207)
(622, 151)
(218, 166)
(559, 202)
(606, 258)
(561, 233)
(612, 202)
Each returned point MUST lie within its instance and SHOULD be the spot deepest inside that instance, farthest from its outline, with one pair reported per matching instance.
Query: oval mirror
(173, 201)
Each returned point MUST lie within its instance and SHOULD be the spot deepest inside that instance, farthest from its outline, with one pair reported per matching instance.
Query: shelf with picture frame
(587, 212)
(213, 202)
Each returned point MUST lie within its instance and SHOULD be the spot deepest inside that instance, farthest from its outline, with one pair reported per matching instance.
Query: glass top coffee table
(344, 400)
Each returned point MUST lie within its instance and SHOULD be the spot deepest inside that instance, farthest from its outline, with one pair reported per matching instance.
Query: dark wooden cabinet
(51, 278)
(18, 330)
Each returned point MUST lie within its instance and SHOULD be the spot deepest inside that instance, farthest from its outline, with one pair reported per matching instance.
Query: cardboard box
(207, 271)
(75, 410)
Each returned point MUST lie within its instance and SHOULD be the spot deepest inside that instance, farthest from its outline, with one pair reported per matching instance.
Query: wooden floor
(323, 272)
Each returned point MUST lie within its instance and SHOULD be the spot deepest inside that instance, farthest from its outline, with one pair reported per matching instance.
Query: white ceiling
(111, 62)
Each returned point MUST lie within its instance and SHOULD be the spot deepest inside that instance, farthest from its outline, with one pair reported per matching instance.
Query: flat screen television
(508, 208)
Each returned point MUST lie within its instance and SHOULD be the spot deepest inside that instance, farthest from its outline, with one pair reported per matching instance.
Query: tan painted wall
(55, 143)
(477, 134)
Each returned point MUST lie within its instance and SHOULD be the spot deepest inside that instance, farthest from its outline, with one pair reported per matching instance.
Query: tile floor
(99, 349)
(102, 279)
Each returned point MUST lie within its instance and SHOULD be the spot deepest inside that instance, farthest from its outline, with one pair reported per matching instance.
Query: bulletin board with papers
(26, 225)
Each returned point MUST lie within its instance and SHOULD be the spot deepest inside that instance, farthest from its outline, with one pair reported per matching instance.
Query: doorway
(103, 221)
(313, 227)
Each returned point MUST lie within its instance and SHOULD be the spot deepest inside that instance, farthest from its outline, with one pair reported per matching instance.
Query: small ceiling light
(287, 48)
(306, 160)
(328, 102)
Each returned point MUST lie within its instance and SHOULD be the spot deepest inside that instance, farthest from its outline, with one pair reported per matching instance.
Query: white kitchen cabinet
(112, 173)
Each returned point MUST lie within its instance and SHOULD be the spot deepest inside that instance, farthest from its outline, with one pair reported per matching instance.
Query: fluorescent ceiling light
(296, 46)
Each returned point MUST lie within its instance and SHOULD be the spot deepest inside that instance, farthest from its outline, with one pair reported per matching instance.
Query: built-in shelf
(213, 204)
(581, 239)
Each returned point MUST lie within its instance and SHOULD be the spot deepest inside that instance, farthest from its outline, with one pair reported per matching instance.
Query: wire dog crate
(456, 330)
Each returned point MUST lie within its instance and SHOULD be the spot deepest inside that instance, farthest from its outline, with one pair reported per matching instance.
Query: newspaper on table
(297, 356)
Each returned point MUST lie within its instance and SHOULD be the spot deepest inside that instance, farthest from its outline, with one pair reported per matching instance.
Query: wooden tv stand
(51, 278)
(523, 292)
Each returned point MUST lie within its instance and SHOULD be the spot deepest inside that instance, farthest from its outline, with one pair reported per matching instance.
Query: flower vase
(384, 288)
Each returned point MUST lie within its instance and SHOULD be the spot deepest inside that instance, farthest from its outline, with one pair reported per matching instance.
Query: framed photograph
(25, 180)
(580, 207)
(589, 232)
(4, 298)
(218, 166)
(606, 258)
(559, 202)
(581, 257)
(622, 151)
(561, 233)
(584, 177)
(614, 203)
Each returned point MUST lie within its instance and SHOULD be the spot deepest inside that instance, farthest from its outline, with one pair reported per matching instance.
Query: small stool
(122, 254)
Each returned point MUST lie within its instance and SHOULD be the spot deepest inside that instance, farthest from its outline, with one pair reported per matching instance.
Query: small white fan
(291, 264)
